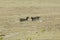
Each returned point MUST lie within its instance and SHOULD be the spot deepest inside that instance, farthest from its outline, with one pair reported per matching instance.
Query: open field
(47, 28)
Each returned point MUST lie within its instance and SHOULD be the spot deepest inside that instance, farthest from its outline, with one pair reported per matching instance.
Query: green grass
(1, 38)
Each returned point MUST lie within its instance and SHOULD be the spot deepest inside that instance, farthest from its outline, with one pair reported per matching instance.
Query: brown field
(12, 10)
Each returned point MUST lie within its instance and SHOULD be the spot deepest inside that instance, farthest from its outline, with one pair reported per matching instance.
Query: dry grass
(12, 10)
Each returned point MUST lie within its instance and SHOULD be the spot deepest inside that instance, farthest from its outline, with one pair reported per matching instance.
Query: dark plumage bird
(24, 19)
(35, 18)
